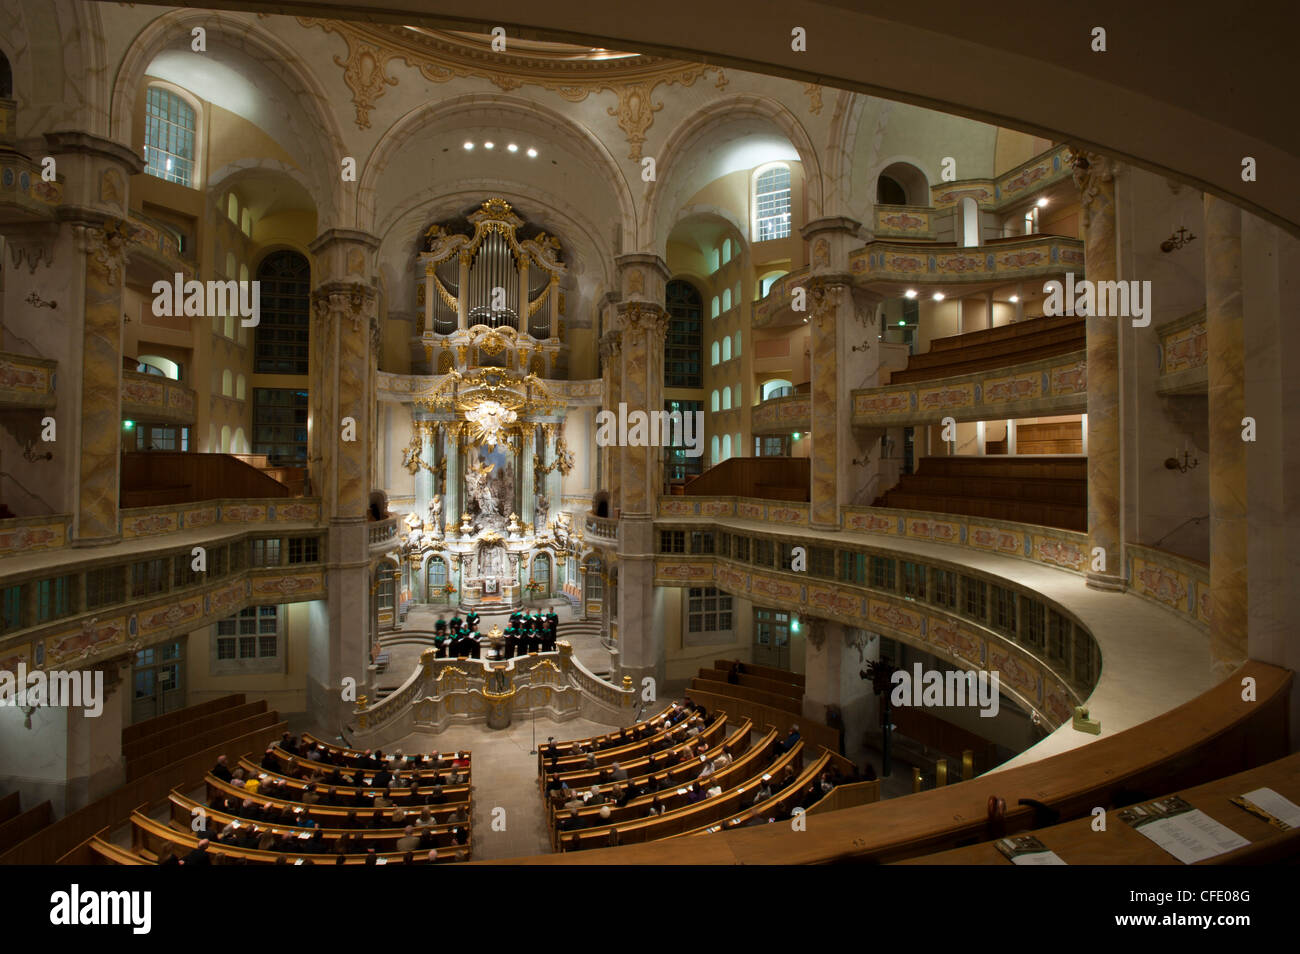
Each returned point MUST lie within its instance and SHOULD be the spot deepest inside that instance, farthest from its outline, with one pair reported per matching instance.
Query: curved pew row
(185, 810)
(406, 769)
(152, 840)
(595, 743)
(751, 760)
(1077, 843)
(401, 795)
(318, 813)
(781, 804)
(355, 757)
(616, 753)
(1215, 734)
(690, 817)
(648, 763)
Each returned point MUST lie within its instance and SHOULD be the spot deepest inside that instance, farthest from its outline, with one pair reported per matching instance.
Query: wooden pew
(289, 760)
(815, 733)
(23, 826)
(682, 819)
(147, 727)
(1076, 842)
(184, 808)
(152, 839)
(755, 682)
(331, 815)
(98, 850)
(848, 795)
(654, 724)
(712, 734)
(354, 757)
(153, 761)
(190, 729)
(778, 806)
(10, 806)
(764, 672)
(749, 764)
(399, 796)
(572, 763)
(773, 700)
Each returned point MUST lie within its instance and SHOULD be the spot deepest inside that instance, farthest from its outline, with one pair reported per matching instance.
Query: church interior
(329, 523)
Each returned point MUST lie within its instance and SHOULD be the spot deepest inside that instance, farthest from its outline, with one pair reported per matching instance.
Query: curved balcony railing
(601, 529)
(155, 399)
(383, 533)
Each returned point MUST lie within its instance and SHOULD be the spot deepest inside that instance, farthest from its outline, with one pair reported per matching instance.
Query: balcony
(603, 530)
(780, 415)
(24, 196)
(26, 382)
(156, 400)
(383, 533)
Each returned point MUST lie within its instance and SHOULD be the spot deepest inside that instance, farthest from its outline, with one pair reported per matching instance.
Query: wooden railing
(153, 478)
(764, 478)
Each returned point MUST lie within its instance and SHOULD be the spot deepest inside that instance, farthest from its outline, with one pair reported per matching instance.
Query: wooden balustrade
(764, 478)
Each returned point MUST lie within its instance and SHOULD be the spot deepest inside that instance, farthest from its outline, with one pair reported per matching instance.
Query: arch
(713, 353)
(655, 224)
(424, 116)
(232, 207)
(716, 446)
(726, 251)
(713, 307)
(247, 38)
(713, 401)
(239, 387)
(726, 446)
(226, 383)
(726, 398)
(726, 300)
(768, 279)
(909, 177)
(774, 384)
(239, 443)
(735, 350)
(540, 572)
(156, 364)
(225, 438)
(726, 348)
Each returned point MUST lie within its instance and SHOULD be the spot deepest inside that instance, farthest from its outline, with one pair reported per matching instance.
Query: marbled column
(528, 475)
(554, 479)
(425, 484)
(451, 454)
(95, 521)
(1229, 535)
(823, 657)
(1095, 176)
(644, 326)
(823, 306)
(612, 380)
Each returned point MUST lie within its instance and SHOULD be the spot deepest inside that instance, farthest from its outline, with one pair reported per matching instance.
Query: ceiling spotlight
(910, 293)
(937, 296)
(1042, 202)
(487, 145)
(1014, 299)
(532, 153)
(512, 147)
(469, 146)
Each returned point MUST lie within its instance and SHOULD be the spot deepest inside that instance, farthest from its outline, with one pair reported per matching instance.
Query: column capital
(1094, 175)
(105, 248)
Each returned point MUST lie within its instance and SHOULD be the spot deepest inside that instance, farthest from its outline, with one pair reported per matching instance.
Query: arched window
(232, 210)
(714, 400)
(713, 352)
(772, 203)
(726, 300)
(592, 583)
(281, 337)
(726, 399)
(542, 574)
(226, 380)
(239, 443)
(230, 327)
(169, 131)
(155, 364)
(231, 268)
(766, 283)
(726, 348)
(717, 449)
(735, 348)
(726, 251)
(726, 446)
(714, 307)
(889, 192)
(777, 387)
(715, 260)
(246, 222)
(239, 388)
(682, 347)
(225, 439)
(243, 273)
(435, 573)
(970, 222)
(738, 445)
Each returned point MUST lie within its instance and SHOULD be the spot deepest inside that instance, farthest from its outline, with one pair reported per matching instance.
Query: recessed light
(910, 293)
(532, 153)
(1014, 299)
(937, 296)
(512, 147)
(487, 145)
(1042, 202)
(469, 146)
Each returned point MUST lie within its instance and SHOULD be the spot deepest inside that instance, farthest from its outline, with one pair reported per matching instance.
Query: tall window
(280, 341)
(685, 336)
(249, 641)
(280, 425)
(168, 137)
(680, 466)
(772, 203)
(435, 572)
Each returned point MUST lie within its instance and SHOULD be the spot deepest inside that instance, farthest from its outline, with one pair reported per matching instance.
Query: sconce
(37, 301)
(1187, 463)
(29, 453)
(1177, 240)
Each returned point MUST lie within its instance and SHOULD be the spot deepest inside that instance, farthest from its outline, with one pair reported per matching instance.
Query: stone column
(1229, 534)
(347, 331)
(451, 454)
(834, 691)
(528, 476)
(100, 438)
(425, 484)
(1095, 176)
(554, 487)
(611, 352)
